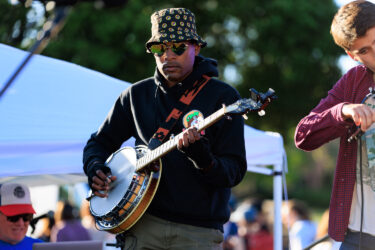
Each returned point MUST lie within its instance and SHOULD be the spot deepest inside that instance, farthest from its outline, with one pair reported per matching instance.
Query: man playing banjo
(190, 205)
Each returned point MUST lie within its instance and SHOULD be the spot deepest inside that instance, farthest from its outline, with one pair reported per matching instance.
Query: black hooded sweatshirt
(185, 194)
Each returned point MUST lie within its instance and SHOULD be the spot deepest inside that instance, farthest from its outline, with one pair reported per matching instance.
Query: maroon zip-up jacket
(325, 123)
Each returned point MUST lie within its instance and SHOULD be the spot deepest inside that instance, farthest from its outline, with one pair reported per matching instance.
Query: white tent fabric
(50, 110)
(48, 114)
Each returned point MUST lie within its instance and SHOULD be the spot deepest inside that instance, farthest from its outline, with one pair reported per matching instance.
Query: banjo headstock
(257, 102)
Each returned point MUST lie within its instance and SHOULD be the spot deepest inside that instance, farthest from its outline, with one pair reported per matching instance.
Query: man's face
(363, 49)
(12, 232)
(174, 67)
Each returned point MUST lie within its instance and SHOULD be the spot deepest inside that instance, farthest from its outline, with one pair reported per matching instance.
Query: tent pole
(277, 198)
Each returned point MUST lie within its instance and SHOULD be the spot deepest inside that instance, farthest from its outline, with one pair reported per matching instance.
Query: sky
(342, 2)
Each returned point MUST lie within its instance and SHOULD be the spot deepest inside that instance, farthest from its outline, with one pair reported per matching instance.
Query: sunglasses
(177, 48)
(15, 218)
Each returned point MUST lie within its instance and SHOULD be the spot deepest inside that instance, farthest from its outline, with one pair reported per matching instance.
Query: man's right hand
(361, 114)
(99, 178)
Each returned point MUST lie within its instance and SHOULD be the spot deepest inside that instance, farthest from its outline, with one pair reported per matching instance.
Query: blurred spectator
(252, 227)
(258, 236)
(231, 238)
(58, 212)
(16, 212)
(47, 225)
(68, 225)
(295, 217)
(88, 222)
(322, 231)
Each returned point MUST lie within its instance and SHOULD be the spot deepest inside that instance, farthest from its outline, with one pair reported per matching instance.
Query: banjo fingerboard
(172, 143)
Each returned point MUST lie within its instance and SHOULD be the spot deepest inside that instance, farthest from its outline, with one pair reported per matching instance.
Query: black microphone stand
(53, 27)
(324, 238)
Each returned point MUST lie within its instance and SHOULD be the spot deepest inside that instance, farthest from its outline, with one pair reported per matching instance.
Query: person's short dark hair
(351, 22)
(251, 214)
(68, 212)
(300, 209)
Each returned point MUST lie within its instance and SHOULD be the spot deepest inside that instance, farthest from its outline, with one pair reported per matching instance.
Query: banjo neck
(257, 102)
(172, 143)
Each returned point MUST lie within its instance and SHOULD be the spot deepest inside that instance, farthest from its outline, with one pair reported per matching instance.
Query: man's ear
(197, 49)
(351, 55)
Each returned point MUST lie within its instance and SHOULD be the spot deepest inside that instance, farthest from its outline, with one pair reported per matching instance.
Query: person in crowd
(16, 212)
(69, 227)
(88, 222)
(322, 239)
(322, 228)
(191, 203)
(296, 217)
(47, 225)
(258, 235)
(231, 237)
(343, 114)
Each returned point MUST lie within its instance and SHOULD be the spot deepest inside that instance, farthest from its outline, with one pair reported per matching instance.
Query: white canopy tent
(50, 110)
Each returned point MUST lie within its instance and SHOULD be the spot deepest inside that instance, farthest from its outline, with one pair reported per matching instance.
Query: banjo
(138, 175)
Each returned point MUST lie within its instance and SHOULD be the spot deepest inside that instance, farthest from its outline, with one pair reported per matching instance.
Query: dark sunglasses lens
(25, 217)
(157, 49)
(14, 218)
(179, 48)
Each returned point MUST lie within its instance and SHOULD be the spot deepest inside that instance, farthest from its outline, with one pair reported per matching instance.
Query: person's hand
(189, 136)
(197, 148)
(99, 178)
(361, 114)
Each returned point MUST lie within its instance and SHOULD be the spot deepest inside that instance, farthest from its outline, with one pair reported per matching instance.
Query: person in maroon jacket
(341, 114)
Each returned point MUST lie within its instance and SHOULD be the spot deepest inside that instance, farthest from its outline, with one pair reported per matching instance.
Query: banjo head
(122, 164)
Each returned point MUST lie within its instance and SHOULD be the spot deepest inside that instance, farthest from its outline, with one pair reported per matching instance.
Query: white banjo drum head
(122, 164)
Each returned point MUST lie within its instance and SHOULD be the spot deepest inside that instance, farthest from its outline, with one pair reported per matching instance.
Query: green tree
(279, 44)
(13, 23)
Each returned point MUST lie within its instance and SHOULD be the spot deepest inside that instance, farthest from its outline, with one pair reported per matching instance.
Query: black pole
(57, 23)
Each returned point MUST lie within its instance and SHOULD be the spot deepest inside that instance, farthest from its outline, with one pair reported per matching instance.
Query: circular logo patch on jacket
(192, 118)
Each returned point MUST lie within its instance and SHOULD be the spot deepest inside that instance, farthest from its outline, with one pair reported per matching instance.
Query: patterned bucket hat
(174, 25)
